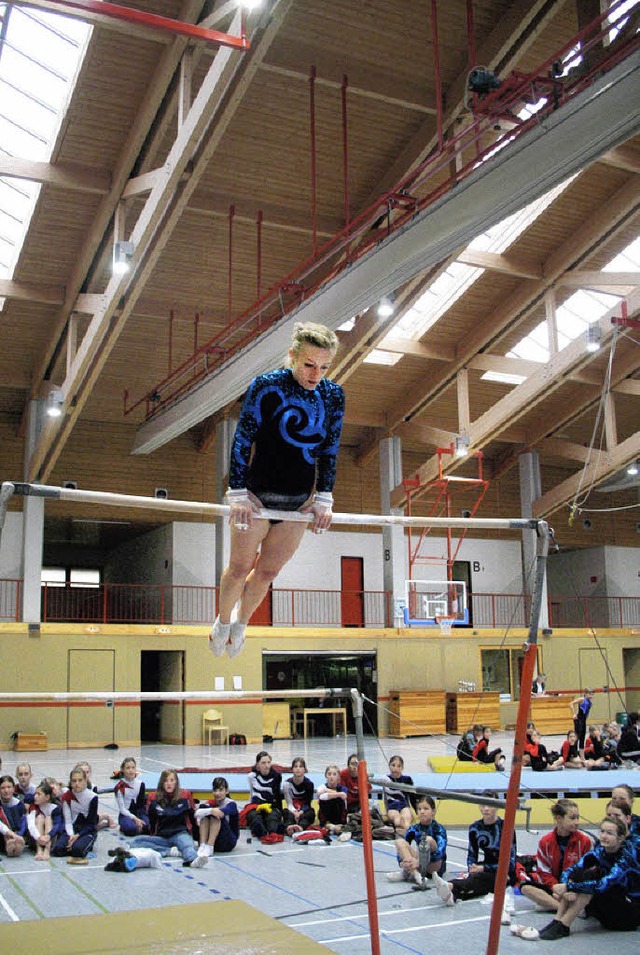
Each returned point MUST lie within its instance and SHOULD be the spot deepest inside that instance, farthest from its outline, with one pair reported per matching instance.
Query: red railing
(166, 604)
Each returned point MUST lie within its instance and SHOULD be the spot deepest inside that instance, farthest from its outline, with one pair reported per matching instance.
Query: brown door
(352, 591)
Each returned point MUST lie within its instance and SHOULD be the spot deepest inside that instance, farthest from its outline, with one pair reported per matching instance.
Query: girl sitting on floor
(264, 815)
(131, 799)
(332, 800)
(398, 803)
(44, 822)
(170, 816)
(13, 818)
(298, 796)
(80, 815)
(218, 820)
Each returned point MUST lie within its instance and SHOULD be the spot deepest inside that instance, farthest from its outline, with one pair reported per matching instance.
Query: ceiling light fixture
(633, 468)
(594, 337)
(461, 446)
(122, 252)
(55, 401)
(386, 307)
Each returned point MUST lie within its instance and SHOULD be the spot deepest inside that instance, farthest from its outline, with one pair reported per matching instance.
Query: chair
(212, 725)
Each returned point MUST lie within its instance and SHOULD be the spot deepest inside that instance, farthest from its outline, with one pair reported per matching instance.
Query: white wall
(577, 572)
(194, 554)
(11, 548)
(622, 566)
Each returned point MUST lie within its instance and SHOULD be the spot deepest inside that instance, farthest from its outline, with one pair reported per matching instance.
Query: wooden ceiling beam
(625, 157)
(506, 264)
(588, 278)
(71, 176)
(602, 467)
(32, 292)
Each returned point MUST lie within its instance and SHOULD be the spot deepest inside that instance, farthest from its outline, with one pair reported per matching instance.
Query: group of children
(56, 820)
(572, 873)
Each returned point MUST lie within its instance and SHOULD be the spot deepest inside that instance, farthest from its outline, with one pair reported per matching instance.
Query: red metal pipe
(345, 149)
(367, 847)
(436, 69)
(526, 683)
(471, 35)
(312, 124)
(232, 212)
(114, 11)
(259, 255)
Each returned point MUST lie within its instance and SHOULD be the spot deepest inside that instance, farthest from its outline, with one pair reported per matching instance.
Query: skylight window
(40, 54)
(573, 317)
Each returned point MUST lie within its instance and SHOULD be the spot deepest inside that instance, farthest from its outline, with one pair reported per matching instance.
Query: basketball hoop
(445, 624)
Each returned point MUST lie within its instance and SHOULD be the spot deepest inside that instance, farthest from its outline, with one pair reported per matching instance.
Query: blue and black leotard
(295, 434)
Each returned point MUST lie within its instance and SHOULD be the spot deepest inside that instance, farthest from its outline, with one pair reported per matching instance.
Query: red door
(352, 591)
(262, 616)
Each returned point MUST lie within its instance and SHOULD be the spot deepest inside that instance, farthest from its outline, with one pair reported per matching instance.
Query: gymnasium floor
(317, 890)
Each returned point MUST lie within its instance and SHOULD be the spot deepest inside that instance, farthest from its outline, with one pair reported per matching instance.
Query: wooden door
(352, 591)
(90, 723)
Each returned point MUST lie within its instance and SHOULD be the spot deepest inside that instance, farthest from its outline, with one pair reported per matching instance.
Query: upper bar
(222, 510)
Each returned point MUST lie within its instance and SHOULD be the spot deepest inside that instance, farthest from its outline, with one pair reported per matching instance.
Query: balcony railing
(166, 604)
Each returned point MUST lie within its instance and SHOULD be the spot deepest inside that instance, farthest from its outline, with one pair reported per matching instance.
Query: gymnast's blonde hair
(309, 333)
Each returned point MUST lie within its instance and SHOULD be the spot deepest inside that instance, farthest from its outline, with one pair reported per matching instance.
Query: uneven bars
(112, 499)
(481, 799)
(115, 696)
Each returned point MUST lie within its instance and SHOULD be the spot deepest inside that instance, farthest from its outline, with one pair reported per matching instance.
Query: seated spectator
(80, 817)
(24, 790)
(482, 754)
(624, 791)
(539, 759)
(619, 808)
(603, 883)
(629, 744)
(398, 803)
(170, 822)
(332, 800)
(349, 779)
(217, 820)
(594, 750)
(610, 737)
(430, 849)
(467, 743)
(557, 850)
(13, 818)
(570, 752)
(299, 814)
(482, 860)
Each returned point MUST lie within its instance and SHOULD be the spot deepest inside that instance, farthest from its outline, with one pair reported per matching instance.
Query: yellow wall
(407, 659)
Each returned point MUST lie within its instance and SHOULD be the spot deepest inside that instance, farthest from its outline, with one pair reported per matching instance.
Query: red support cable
(259, 256)
(170, 341)
(367, 848)
(471, 35)
(114, 11)
(345, 148)
(436, 70)
(312, 125)
(232, 212)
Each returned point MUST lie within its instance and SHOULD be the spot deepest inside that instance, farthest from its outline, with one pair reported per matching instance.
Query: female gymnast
(291, 420)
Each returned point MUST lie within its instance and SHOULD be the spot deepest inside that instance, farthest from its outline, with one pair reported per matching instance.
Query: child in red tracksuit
(481, 753)
(558, 850)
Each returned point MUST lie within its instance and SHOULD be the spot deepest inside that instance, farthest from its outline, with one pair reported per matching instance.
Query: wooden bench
(450, 764)
(30, 742)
